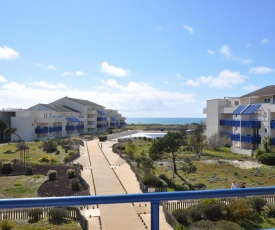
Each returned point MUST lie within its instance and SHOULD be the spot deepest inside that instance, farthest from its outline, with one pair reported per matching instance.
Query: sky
(145, 58)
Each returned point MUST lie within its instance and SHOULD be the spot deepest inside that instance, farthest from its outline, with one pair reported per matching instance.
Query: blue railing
(251, 139)
(55, 129)
(233, 123)
(154, 198)
(251, 124)
(79, 127)
(42, 130)
(70, 127)
(272, 124)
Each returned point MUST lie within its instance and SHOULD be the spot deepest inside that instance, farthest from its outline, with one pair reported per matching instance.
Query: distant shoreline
(163, 121)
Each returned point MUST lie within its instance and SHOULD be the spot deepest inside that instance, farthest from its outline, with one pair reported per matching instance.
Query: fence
(122, 134)
(182, 204)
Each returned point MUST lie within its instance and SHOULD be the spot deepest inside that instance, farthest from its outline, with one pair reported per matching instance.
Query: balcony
(272, 124)
(251, 124)
(235, 137)
(79, 127)
(42, 130)
(251, 139)
(243, 124)
(55, 129)
(232, 123)
(101, 119)
(70, 127)
(154, 198)
(101, 126)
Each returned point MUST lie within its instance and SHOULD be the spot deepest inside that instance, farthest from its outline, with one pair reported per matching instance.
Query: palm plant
(3, 126)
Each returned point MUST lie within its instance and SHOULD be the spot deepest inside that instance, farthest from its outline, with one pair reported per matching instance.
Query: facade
(65, 117)
(246, 120)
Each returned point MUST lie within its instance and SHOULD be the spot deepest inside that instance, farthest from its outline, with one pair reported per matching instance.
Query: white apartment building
(65, 117)
(245, 120)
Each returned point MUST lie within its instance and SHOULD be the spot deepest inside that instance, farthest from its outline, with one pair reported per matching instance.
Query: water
(163, 121)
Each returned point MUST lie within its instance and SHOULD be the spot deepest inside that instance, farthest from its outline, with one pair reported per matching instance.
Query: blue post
(155, 215)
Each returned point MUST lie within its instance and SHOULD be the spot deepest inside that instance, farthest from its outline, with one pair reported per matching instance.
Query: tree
(267, 144)
(10, 131)
(216, 141)
(168, 145)
(197, 138)
(3, 126)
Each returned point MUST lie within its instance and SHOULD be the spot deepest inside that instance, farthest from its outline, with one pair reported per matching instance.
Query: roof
(268, 90)
(84, 102)
(57, 108)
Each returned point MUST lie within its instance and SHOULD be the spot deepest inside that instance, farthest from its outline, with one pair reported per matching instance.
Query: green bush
(35, 213)
(213, 211)
(71, 173)
(257, 203)
(75, 185)
(181, 215)
(29, 170)
(57, 214)
(153, 181)
(209, 225)
(44, 159)
(269, 211)
(6, 225)
(53, 160)
(52, 174)
(239, 209)
(57, 152)
(49, 146)
(6, 168)
(102, 138)
(258, 152)
(267, 158)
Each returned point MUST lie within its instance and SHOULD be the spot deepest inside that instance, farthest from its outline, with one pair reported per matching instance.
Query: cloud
(79, 73)
(133, 98)
(46, 85)
(228, 55)
(188, 29)
(225, 79)
(179, 76)
(250, 87)
(225, 51)
(8, 53)
(51, 67)
(65, 74)
(112, 70)
(2, 79)
(210, 52)
(264, 41)
(159, 28)
(261, 70)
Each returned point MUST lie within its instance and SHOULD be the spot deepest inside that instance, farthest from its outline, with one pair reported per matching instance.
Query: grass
(35, 152)
(20, 186)
(42, 224)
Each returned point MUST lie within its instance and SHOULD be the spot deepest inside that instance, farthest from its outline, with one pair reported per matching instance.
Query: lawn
(9, 152)
(20, 186)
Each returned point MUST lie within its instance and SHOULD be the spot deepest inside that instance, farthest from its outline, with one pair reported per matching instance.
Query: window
(236, 102)
(267, 100)
(265, 130)
(45, 115)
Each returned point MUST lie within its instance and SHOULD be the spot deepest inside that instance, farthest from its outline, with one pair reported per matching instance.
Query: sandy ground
(240, 164)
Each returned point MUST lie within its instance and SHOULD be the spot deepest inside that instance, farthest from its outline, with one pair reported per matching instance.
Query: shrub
(240, 209)
(75, 185)
(267, 158)
(53, 160)
(258, 152)
(57, 152)
(35, 213)
(71, 173)
(29, 171)
(257, 203)
(209, 225)
(67, 158)
(44, 159)
(57, 214)
(6, 225)
(8, 151)
(102, 138)
(52, 175)
(269, 211)
(181, 216)
(6, 168)
(213, 211)
(153, 181)
(49, 146)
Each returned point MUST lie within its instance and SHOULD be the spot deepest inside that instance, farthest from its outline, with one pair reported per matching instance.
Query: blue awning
(100, 112)
(251, 109)
(72, 119)
(239, 110)
(246, 109)
(114, 119)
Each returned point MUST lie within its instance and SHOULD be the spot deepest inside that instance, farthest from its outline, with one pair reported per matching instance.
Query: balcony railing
(251, 139)
(55, 129)
(154, 198)
(42, 130)
(70, 127)
(272, 124)
(243, 124)
(79, 127)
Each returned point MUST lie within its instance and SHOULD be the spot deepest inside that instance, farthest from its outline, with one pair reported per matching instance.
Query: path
(106, 173)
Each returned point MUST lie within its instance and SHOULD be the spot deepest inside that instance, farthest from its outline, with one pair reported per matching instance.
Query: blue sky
(146, 58)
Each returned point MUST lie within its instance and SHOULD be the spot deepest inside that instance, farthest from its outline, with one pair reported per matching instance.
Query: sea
(163, 121)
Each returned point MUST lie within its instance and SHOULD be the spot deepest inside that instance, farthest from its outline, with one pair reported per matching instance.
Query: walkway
(106, 173)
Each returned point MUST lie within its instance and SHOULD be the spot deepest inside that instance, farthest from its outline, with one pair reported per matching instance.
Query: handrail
(154, 198)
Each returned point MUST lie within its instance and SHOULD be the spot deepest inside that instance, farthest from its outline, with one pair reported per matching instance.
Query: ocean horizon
(163, 121)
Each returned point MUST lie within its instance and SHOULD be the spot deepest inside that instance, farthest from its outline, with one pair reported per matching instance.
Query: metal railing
(154, 198)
